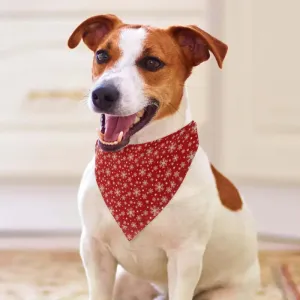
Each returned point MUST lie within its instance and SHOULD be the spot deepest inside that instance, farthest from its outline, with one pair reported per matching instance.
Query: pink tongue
(114, 125)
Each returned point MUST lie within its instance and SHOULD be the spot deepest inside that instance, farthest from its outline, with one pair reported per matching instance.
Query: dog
(203, 244)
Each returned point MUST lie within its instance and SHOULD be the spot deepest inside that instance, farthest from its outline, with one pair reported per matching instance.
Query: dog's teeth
(120, 137)
(140, 113)
(137, 119)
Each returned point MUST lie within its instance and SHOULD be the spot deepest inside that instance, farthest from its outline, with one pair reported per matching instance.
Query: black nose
(105, 97)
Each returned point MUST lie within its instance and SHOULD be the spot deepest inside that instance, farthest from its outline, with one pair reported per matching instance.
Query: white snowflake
(123, 174)
(175, 157)
(159, 186)
(145, 182)
(125, 185)
(155, 153)
(145, 213)
(133, 224)
(117, 192)
(149, 174)
(151, 161)
(180, 146)
(114, 156)
(169, 190)
(172, 147)
(130, 157)
(139, 218)
(124, 226)
(168, 173)
(163, 163)
(164, 199)
(154, 210)
(150, 191)
(142, 172)
(119, 203)
(130, 212)
(136, 192)
(131, 167)
(140, 204)
(149, 151)
(107, 172)
(123, 213)
(176, 174)
(155, 168)
(123, 197)
(173, 184)
(182, 165)
(144, 196)
(129, 236)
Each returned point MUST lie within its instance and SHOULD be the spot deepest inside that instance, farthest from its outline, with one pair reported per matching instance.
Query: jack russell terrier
(150, 201)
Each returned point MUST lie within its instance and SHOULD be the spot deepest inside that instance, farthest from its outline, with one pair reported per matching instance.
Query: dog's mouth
(115, 131)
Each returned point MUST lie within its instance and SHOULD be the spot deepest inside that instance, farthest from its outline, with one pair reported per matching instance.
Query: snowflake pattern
(138, 181)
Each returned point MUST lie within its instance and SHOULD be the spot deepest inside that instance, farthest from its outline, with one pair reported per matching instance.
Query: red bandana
(137, 182)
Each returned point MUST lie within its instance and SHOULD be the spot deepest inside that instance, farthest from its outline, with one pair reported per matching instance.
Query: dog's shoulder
(228, 193)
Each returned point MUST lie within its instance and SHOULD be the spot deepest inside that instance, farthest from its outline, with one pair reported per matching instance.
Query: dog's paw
(129, 287)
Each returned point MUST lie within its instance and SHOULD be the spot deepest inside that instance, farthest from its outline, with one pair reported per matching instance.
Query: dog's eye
(102, 56)
(151, 64)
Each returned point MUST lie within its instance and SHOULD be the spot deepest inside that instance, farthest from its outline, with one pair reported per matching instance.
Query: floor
(47, 275)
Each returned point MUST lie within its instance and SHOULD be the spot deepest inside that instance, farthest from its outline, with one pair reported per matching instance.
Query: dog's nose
(105, 97)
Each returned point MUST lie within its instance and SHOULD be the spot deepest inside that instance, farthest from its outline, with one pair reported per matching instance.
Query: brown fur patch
(110, 44)
(166, 84)
(228, 193)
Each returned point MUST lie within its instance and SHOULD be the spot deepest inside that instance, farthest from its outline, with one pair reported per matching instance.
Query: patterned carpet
(60, 276)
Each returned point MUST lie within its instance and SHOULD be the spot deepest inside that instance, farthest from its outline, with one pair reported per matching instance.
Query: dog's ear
(196, 44)
(93, 30)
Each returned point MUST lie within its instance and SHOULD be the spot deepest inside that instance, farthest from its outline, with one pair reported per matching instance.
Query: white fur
(194, 245)
(124, 73)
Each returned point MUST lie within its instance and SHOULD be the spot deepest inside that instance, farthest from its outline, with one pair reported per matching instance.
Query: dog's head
(139, 71)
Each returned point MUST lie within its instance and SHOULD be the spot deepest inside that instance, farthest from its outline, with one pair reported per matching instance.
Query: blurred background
(248, 116)
(248, 113)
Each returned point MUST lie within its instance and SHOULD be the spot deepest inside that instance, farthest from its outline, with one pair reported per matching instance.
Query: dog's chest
(145, 255)
(188, 213)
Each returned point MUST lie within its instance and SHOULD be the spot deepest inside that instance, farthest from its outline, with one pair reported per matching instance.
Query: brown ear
(196, 44)
(93, 30)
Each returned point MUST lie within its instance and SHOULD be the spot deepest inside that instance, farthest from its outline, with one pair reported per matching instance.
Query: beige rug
(60, 276)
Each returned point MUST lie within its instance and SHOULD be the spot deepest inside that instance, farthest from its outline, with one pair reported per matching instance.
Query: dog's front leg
(100, 268)
(184, 270)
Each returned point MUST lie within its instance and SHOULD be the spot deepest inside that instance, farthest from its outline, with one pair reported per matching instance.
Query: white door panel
(261, 109)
